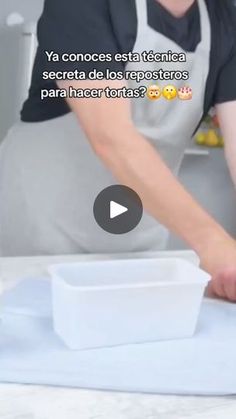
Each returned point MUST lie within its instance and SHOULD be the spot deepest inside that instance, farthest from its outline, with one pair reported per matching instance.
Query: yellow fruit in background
(221, 141)
(212, 139)
(200, 138)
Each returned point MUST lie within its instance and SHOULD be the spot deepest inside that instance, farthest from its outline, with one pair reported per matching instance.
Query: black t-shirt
(110, 26)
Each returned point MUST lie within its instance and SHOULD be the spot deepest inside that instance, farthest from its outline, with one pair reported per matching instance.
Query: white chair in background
(18, 44)
(28, 44)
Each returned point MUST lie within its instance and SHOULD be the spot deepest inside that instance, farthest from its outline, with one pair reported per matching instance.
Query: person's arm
(226, 114)
(135, 163)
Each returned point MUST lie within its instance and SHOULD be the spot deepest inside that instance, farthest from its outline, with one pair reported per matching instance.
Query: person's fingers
(215, 289)
(230, 290)
(228, 279)
(223, 285)
(218, 286)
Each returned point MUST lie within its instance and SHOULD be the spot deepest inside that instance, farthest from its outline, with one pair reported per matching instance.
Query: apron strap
(205, 25)
(142, 17)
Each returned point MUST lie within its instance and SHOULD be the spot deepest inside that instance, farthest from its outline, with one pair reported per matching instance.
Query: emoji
(185, 93)
(154, 92)
(169, 92)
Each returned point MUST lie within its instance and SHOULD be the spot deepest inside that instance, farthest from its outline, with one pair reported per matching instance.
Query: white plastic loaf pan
(107, 303)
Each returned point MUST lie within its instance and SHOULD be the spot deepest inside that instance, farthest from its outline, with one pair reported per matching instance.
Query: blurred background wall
(10, 50)
(30, 9)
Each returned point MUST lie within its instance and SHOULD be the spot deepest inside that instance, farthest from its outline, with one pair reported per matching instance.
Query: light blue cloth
(31, 353)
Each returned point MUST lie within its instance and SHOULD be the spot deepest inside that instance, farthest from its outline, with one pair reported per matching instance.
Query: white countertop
(33, 402)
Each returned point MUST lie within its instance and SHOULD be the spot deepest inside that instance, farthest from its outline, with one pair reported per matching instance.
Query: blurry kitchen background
(12, 52)
(204, 171)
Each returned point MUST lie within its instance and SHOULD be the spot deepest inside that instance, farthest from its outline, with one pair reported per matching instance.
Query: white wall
(10, 54)
(30, 9)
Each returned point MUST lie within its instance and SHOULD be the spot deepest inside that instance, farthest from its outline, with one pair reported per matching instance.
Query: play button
(118, 209)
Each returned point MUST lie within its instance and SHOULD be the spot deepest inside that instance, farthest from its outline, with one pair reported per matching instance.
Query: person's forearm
(226, 113)
(230, 154)
(136, 163)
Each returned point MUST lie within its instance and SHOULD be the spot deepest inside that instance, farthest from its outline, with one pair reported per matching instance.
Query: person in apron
(50, 175)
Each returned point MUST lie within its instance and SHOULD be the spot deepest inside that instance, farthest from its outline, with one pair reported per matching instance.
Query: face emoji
(154, 92)
(169, 92)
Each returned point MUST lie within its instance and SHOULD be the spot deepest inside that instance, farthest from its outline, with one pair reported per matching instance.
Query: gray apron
(50, 177)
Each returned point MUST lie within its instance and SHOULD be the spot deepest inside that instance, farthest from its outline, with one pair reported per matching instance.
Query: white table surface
(34, 402)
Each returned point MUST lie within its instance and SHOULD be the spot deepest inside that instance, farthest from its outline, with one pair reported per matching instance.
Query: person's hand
(220, 262)
(223, 285)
